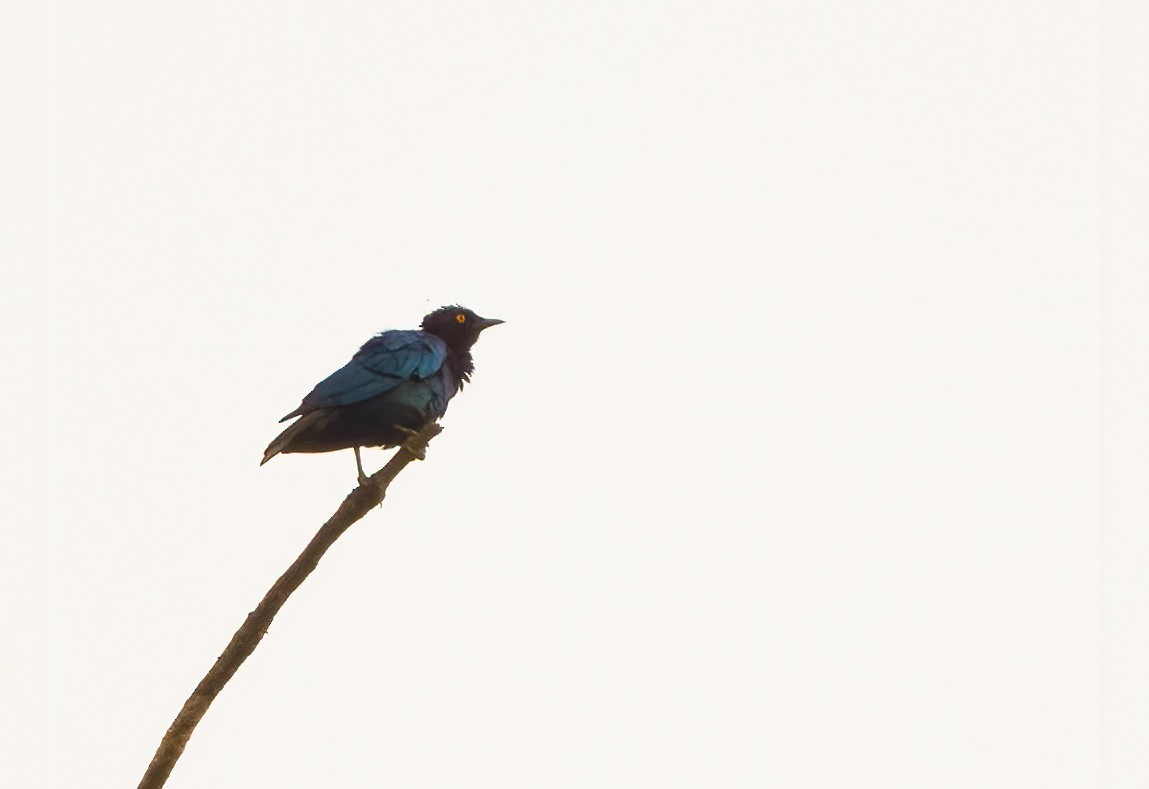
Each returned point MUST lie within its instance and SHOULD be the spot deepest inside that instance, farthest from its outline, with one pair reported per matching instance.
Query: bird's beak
(486, 323)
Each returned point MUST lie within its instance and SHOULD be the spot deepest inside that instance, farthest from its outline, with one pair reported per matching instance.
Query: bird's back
(382, 364)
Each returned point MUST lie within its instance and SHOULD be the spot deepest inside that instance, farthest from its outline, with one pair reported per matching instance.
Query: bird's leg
(359, 465)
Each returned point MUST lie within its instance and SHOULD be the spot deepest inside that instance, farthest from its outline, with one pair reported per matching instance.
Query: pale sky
(806, 456)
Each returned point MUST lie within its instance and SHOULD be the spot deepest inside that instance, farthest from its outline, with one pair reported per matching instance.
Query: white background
(809, 455)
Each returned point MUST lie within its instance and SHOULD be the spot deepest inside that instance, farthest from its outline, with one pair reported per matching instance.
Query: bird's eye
(461, 318)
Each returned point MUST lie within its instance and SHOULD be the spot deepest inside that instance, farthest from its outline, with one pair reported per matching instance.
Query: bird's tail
(282, 442)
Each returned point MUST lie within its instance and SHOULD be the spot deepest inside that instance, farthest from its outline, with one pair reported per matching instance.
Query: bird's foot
(416, 442)
(416, 446)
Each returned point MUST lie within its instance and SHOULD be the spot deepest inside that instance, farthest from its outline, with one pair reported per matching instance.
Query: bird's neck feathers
(460, 359)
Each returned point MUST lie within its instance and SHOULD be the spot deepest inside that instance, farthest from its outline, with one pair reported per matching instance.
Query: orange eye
(461, 318)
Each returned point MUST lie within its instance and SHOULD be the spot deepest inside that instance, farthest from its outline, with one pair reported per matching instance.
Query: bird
(397, 382)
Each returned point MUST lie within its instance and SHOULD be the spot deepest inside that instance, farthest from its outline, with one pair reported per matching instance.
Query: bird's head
(458, 326)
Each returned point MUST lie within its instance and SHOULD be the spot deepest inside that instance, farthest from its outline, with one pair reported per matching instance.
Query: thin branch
(243, 643)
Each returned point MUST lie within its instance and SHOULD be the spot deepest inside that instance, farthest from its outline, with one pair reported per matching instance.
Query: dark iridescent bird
(397, 382)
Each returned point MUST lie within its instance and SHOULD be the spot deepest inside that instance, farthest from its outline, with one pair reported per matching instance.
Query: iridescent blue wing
(384, 362)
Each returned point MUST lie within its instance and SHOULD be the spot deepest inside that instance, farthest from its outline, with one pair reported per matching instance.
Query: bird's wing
(384, 361)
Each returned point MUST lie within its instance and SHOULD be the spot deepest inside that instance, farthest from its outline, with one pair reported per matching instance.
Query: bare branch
(243, 643)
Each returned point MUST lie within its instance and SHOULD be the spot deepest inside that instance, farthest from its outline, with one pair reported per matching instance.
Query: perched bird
(397, 382)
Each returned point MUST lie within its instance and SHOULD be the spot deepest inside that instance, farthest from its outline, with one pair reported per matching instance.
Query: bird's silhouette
(396, 383)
